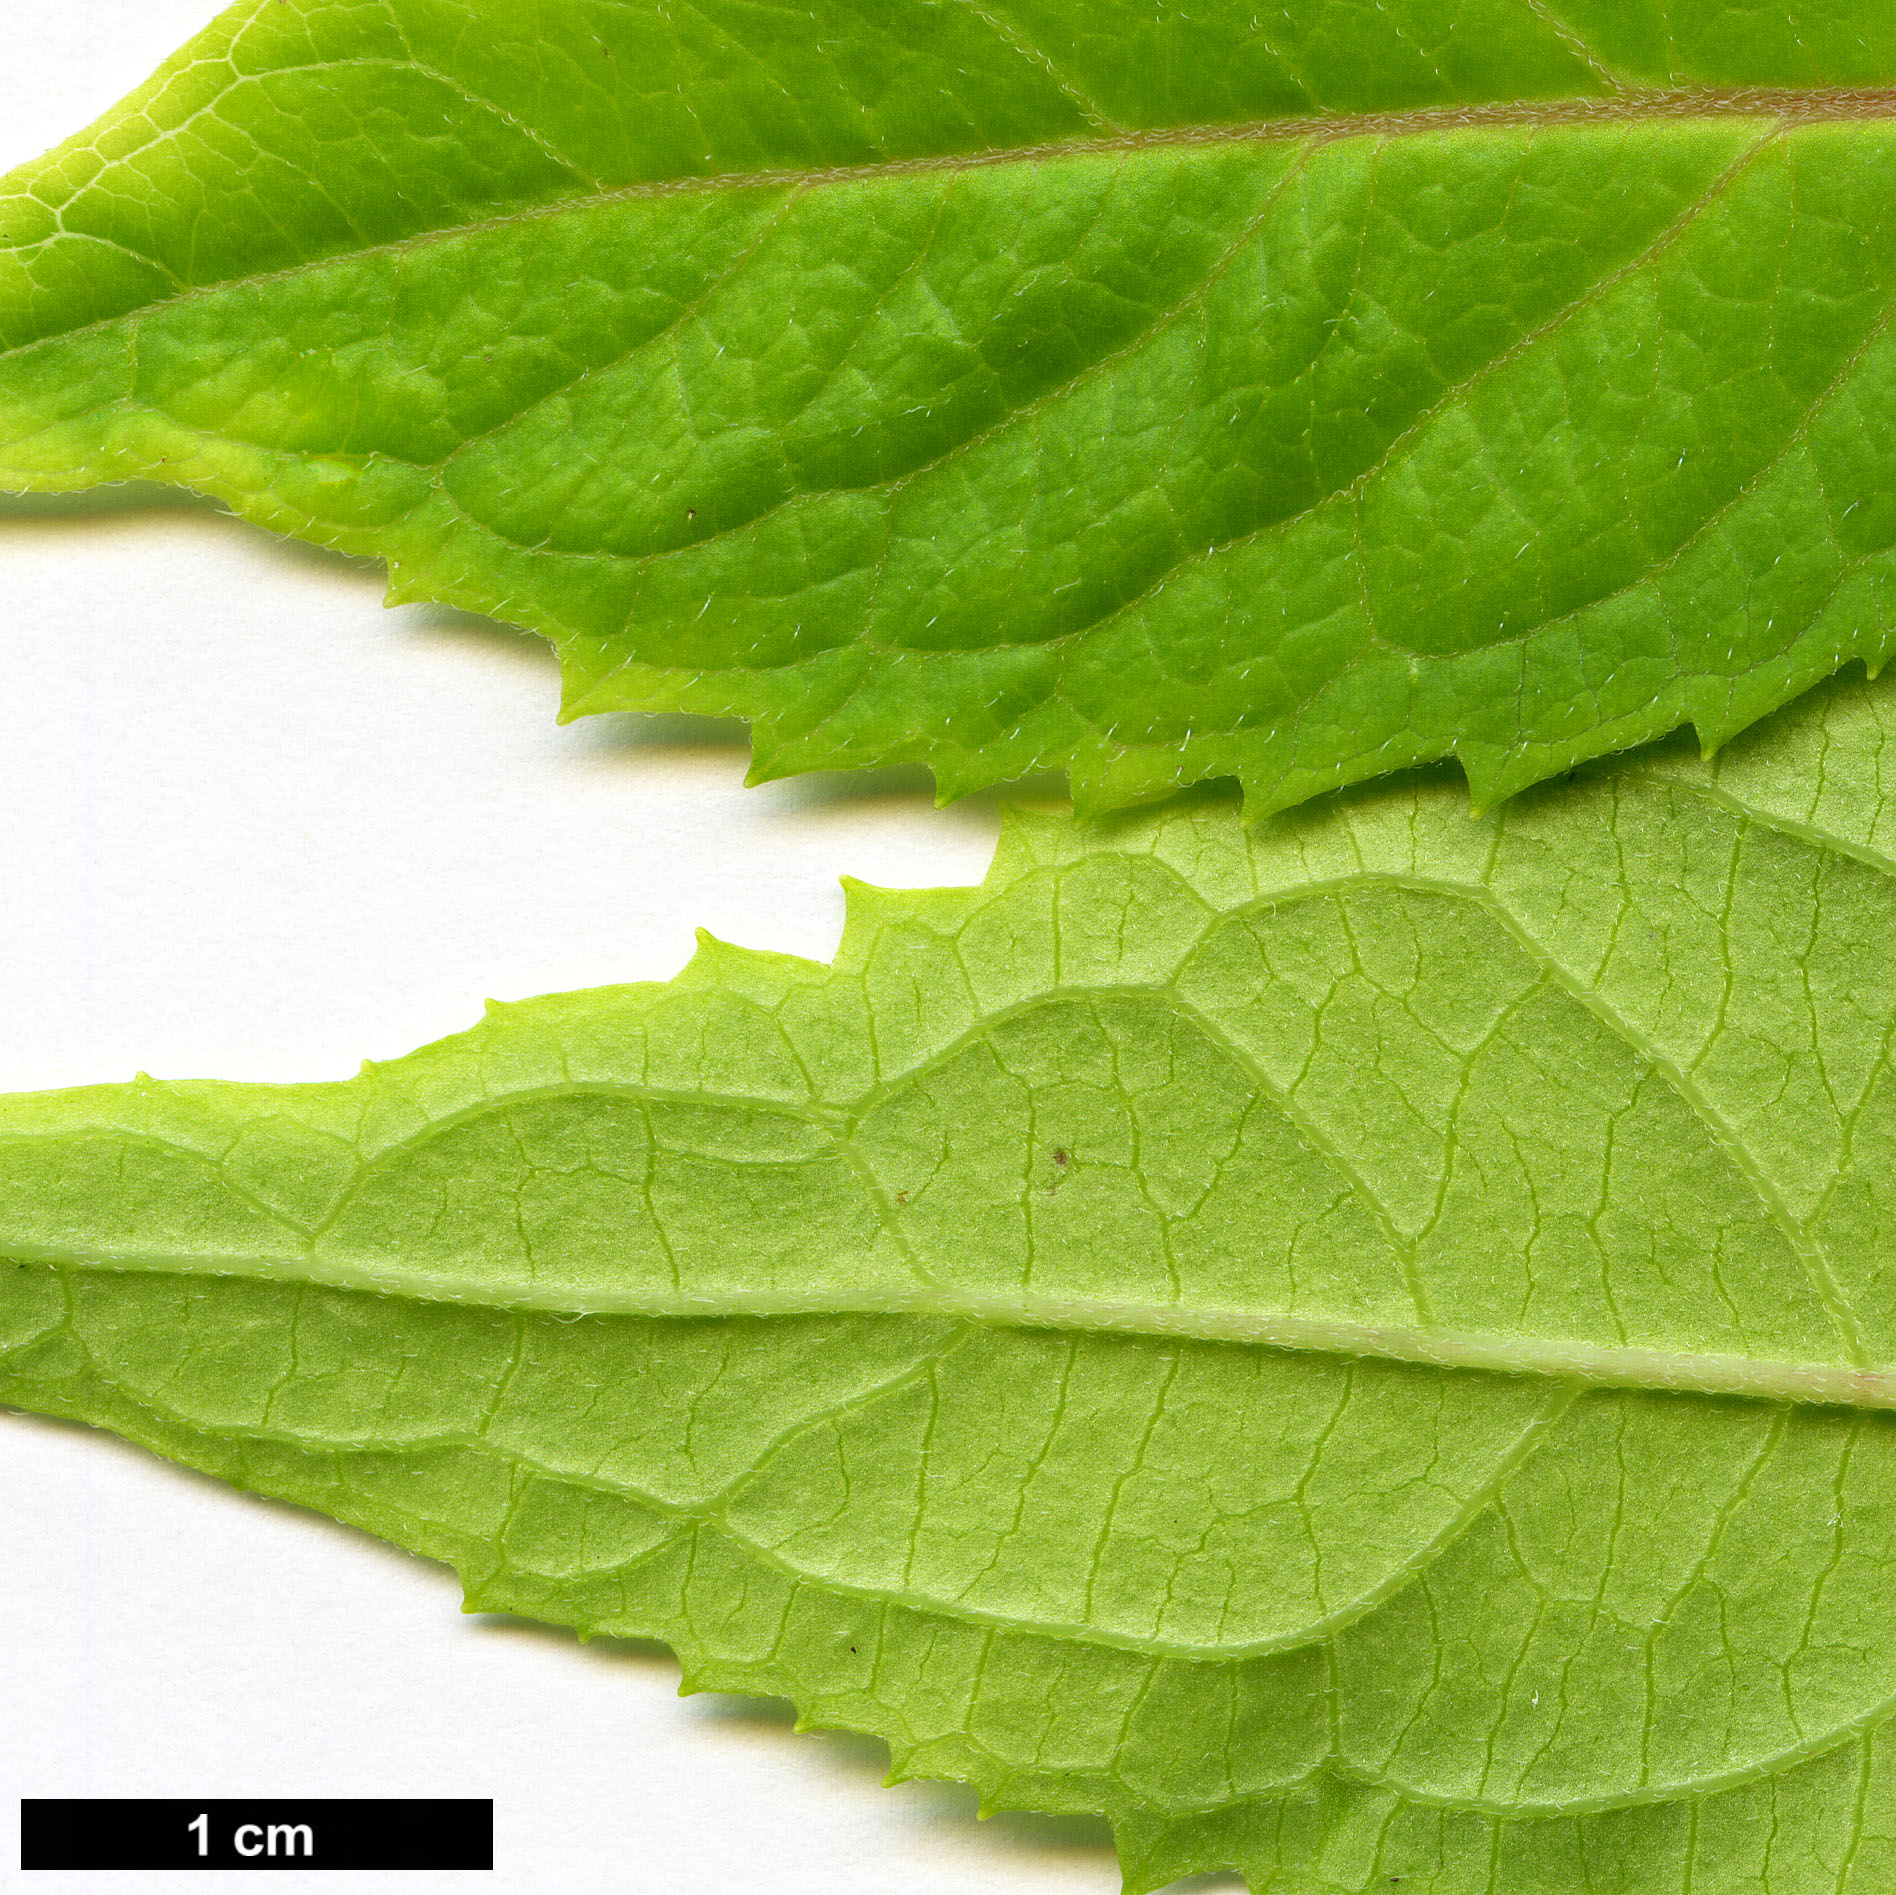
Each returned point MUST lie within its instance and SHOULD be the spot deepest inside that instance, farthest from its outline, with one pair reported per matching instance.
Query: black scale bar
(294, 1833)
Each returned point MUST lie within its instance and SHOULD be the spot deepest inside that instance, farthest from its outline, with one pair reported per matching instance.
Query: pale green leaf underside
(1071, 1335)
(1154, 392)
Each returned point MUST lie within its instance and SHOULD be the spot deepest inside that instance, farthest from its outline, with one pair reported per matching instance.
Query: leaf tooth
(705, 1673)
(758, 974)
(713, 959)
(959, 773)
(1493, 773)
(1033, 839)
(1092, 780)
(406, 585)
(927, 917)
(1140, 1881)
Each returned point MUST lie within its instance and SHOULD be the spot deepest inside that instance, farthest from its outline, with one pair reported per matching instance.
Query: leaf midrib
(1857, 1382)
(1774, 109)
(1587, 1365)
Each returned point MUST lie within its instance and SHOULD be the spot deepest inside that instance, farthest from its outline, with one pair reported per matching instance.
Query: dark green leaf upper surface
(1363, 1348)
(1154, 392)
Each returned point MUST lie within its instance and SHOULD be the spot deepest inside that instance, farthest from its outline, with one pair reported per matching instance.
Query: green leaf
(1158, 392)
(1362, 1347)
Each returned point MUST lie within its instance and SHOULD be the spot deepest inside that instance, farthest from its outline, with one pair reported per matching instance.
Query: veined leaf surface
(1154, 392)
(1362, 1348)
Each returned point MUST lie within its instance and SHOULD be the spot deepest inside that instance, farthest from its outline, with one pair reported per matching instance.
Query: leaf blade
(1281, 436)
(857, 1329)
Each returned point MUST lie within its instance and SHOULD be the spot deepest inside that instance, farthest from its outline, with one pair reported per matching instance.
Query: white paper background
(254, 826)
